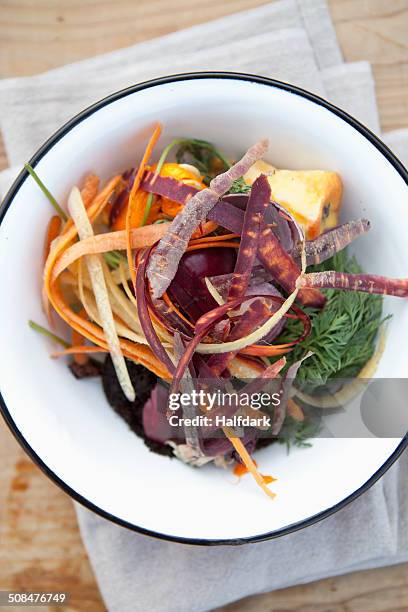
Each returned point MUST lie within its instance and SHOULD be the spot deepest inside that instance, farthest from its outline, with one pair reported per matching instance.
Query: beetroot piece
(188, 288)
(155, 423)
(90, 369)
(132, 412)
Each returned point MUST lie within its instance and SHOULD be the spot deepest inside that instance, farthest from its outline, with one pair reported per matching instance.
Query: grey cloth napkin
(293, 41)
(137, 573)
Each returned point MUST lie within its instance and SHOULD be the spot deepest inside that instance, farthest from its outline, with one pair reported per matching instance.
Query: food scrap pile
(195, 269)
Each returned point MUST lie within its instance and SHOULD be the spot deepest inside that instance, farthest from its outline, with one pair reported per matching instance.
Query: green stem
(210, 147)
(149, 203)
(113, 258)
(163, 157)
(159, 166)
(46, 332)
(46, 192)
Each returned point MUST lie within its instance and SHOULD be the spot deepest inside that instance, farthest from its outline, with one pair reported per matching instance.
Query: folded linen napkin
(294, 41)
(139, 573)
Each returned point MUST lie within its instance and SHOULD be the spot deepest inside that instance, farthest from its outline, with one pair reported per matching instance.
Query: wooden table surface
(40, 546)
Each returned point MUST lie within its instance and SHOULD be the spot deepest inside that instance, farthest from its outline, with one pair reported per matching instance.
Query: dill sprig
(204, 156)
(240, 186)
(343, 333)
(200, 153)
(295, 433)
(208, 160)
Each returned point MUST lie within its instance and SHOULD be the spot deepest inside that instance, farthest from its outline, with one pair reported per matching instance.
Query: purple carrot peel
(168, 187)
(332, 241)
(257, 311)
(367, 283)
(144, 316)
(164, 262)
(254, 213)
(283, 268)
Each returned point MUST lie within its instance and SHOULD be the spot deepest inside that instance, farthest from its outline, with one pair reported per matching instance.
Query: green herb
(295, 433)
(204, 156)
(240, 186)
(200, 153)
(209, 161)
(46, 192)
(46, 332)
(343, 335)
(113, 258)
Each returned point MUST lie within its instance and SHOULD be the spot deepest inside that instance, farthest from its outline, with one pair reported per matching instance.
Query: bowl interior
(69, 423)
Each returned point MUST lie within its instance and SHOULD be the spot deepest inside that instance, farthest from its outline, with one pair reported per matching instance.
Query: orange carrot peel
(135, 216)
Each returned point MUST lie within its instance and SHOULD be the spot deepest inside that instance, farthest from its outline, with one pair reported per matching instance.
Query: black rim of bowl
(7, 203)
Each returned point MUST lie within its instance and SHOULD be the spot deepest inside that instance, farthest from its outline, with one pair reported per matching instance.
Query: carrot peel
(132, 197)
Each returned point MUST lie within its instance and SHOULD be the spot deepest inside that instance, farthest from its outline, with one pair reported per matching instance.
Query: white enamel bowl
(67, 425)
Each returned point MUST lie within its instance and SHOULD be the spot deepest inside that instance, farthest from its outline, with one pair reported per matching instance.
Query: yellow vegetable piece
(178, 171)
(312, 196)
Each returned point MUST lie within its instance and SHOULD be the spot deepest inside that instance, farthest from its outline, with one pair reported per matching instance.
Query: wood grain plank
(41, 548)
(61, 32)
(391, 83)
(376, 30)
(379, 590)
